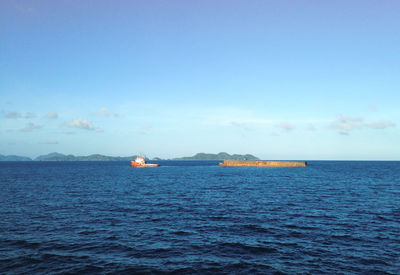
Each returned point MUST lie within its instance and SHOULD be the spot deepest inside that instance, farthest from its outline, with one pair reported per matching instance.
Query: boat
(141, 162)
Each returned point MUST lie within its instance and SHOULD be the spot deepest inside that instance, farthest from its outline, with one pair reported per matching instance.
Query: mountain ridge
(98, 157)
(93, 157)
(14, 158)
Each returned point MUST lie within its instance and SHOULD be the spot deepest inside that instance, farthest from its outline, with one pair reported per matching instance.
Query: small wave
(255, 228)
(22, 244)
(382, 218)
(296, 234)
(219, 218)
(181, 233)
(372, 262)
(86, 269)
(287, 244)
(239, 247)
(294, 226)
(219, 268)
(347, 238)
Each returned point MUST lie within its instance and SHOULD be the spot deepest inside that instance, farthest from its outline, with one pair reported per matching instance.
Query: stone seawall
(263, 163)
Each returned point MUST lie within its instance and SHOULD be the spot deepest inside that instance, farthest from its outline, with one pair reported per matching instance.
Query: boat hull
(136, 164)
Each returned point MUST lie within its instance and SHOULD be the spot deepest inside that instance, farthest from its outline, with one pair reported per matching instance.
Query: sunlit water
(196, 217)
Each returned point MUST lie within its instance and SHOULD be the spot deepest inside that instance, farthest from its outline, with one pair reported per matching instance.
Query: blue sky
(277, 79)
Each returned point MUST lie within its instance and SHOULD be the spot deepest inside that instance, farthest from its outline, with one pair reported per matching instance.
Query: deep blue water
(196, 217)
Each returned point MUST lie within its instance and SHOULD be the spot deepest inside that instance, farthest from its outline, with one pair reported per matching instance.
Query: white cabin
(140, 160)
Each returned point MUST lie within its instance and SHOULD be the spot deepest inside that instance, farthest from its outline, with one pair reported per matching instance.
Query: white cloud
(29, 127)
(81, 124)
(51, 115)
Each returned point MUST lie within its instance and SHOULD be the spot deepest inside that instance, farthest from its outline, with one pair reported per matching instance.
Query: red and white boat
(141, 162)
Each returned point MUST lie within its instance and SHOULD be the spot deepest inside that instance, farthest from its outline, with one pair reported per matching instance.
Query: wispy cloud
(81, 124)
(346, 124)
(24, 9)
(29, 115)
(16, 115)
(143, 129)
(104, 112)
(243, 128)
(380, 124)
(29, 127)
(226, 116)
(311, 127)
(230, 116)
(51, 115)
(51, 142)
(107, 113)
(286, 126)
(241, 125)
(13, 115)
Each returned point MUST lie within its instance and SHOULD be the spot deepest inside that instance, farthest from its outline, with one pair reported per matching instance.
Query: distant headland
(97, 157)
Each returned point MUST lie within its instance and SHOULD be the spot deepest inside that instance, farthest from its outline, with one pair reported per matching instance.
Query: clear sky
(278, 79)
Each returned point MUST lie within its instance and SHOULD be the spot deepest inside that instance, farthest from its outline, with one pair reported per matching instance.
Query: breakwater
(263, 163)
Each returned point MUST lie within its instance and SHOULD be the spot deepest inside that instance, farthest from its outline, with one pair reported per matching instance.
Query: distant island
(14, 158)
(219, 156)
(62, 157)
(97, 157)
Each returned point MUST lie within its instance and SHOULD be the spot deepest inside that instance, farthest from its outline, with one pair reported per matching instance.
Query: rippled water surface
(196, 217)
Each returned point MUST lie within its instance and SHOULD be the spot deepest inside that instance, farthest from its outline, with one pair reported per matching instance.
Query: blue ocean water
(195, 217)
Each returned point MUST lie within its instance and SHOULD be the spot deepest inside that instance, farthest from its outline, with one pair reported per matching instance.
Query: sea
(194, 217)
